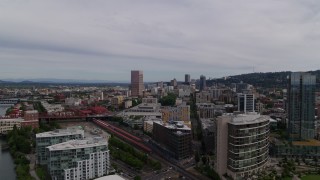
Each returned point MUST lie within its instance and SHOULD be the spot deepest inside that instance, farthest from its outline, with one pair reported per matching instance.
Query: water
(3, 109)
(7, 171)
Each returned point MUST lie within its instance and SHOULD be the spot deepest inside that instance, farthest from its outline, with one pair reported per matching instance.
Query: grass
(311, 177)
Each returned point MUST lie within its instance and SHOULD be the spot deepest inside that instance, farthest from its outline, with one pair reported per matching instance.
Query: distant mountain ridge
(53, 80)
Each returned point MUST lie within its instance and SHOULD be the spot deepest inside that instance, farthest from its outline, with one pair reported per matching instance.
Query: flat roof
(60, 132)
(78, 144)
(250, 118)
(173, 126)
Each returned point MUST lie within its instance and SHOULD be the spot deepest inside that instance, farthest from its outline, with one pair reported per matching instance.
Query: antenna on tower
(253, 69)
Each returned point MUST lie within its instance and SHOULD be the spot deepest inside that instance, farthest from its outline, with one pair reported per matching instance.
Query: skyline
(102, 40)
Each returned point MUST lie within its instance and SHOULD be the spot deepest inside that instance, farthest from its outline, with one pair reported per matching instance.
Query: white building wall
(97, 166)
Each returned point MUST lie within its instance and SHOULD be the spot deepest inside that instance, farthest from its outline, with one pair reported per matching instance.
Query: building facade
(209, 110)
(31, 118)
(203, 83)
(301, 106)
(175, 137)
(179, 113)
(46, 139)
(246, 103)
(187, 78)
(137, 85)
(242, 145)
(78, 159)
(7, 125)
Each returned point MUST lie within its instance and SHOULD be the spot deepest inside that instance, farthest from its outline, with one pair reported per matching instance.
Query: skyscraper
(136, 83)
(202, 82)
(301, 106)
(187, 78)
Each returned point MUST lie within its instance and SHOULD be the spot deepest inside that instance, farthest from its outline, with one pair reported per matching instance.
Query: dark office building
(301, 106)
(187, 78)
(175, 137)
(245, 102)
(240, 87)
(203, 84)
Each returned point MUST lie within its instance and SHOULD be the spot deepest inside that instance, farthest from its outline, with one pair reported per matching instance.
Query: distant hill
(265, 80)
(48, 82)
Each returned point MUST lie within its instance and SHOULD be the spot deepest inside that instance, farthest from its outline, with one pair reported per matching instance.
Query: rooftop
(78, 144)
(249, 118)
(176, 125)
(60, 132)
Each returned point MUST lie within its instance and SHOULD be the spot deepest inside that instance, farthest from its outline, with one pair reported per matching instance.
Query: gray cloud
(104, 40)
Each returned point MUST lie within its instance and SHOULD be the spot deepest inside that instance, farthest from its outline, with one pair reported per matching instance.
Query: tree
(137, 178)
(169, 100)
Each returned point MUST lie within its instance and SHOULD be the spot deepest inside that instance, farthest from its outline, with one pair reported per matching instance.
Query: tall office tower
(202, 83)
(245, 102)
(137, 86)
(242, 145)
(187, 78)
(301, 106)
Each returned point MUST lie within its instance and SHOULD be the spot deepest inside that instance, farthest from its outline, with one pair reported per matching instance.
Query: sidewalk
(32, 171)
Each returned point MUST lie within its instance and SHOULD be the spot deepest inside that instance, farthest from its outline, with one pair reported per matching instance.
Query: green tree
(169, 100)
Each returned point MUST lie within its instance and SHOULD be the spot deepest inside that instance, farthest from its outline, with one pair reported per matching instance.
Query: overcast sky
(105, 39)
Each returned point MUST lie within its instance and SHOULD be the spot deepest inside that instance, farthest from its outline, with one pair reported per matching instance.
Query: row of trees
(129, 155)
(38, 106)
(20, 145)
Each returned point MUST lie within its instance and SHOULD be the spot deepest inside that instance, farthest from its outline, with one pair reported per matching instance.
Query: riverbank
(7, 170)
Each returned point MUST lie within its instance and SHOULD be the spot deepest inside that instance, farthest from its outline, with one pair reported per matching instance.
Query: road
(157, 155)
(177, 168)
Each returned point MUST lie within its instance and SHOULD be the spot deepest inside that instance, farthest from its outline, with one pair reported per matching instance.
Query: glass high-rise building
(301, 106)
(187, 78)
(203, 84)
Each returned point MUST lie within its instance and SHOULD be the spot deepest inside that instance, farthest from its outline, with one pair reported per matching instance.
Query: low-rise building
(148, 123)
(73, 101)
(7, 125)
(178, 113)
(209, 110)
(31, 118)
(117, 101)
(127, 104)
